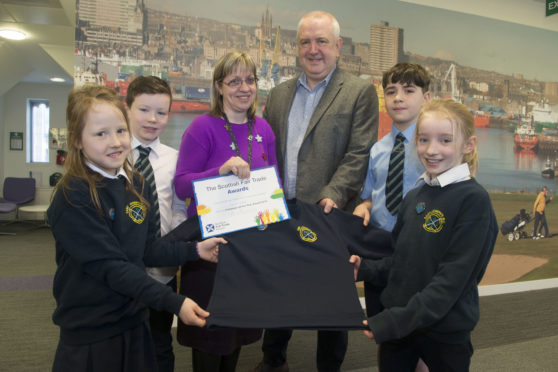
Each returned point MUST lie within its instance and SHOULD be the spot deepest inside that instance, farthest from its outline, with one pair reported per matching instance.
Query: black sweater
(440, 256)
(101, 287)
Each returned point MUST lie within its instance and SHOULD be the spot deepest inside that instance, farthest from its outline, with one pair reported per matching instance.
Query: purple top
(206, 146)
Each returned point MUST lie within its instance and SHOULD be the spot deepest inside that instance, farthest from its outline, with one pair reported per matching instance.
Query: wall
(2, 144)
(13, 116)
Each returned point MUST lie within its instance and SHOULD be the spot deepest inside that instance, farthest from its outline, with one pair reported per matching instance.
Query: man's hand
(191, 314)
(367, 332)
(328, 205)
(363, 211)
(208, 249)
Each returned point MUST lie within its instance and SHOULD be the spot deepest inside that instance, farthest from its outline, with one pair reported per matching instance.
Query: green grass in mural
(507, 205)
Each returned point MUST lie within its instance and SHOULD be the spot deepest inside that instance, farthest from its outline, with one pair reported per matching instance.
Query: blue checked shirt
(304, 104)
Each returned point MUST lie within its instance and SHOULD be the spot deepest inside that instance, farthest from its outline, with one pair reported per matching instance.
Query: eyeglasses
(237, 82)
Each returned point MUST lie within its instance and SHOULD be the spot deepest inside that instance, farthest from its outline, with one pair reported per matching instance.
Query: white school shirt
(456, 174)
(171, 209)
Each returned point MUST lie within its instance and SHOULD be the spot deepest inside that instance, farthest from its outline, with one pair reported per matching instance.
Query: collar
(304, 82)
(409, 133)
(154, 145)
(103, 173)
(456, 174)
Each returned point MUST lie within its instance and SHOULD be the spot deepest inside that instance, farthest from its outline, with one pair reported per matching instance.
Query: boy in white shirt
(148, 104)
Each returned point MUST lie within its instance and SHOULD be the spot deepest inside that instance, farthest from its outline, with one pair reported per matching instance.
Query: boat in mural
(181, 105)
(481, 120)
(548, 169)
(544, 116)
(525, 137)
(193, 99)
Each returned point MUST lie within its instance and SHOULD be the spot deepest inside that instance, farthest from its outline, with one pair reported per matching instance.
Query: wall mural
(499, 70)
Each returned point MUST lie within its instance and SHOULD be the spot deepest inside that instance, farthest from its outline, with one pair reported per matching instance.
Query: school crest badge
(434, 221)
(306, 234)
(136, 211)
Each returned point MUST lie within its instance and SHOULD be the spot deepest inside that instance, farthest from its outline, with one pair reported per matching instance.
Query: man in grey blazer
(325, 122)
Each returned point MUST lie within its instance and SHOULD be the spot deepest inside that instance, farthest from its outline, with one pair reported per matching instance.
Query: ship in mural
(548, 169)
(481, 120)
(525, 137)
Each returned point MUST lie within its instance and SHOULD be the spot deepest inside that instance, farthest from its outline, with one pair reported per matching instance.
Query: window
(37, 130)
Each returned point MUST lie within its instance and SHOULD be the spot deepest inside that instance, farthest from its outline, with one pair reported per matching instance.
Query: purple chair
(17, 191)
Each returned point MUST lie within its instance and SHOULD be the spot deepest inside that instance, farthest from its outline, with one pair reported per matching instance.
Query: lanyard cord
(233, 138)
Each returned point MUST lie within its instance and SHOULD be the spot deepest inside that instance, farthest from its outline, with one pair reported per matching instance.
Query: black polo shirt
(295, 273)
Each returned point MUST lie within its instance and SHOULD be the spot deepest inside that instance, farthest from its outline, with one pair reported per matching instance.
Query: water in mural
(502, 166)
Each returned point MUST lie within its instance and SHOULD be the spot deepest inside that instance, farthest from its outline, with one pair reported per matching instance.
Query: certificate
(228, 203)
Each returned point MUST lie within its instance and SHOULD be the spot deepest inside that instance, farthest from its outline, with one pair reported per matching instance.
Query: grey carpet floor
(517, 332)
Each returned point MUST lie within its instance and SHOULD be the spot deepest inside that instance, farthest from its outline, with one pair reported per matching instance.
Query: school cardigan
(100, 286)
(444, 237)
(295, 273)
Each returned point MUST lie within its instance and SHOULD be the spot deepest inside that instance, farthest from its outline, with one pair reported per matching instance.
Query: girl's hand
(355, 260)
(208, 249)
(367, 332)
(191, 314)
(237, 166)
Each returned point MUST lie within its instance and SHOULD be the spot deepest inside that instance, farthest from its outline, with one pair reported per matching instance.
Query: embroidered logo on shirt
(434, 221)
(306, 234)
(136, 211)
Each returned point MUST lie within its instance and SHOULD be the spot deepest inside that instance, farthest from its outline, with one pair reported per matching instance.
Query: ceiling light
(12, 34)
(57, 79)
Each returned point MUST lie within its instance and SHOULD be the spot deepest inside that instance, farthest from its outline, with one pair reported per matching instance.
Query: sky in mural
(474, 41)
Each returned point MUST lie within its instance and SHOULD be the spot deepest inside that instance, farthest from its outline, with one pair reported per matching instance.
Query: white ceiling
(48, 49)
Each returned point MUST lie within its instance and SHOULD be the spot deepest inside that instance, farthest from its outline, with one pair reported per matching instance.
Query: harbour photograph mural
(501, 70)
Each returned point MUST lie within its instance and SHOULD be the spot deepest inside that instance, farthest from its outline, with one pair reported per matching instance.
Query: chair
(17, 191)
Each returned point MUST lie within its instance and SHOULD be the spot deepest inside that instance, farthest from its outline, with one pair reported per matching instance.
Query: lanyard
(234, 144)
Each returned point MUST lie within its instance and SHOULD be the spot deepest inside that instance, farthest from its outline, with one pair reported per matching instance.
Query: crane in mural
(451, 73)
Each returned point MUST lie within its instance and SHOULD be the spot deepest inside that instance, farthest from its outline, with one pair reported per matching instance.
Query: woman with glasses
(230, 139)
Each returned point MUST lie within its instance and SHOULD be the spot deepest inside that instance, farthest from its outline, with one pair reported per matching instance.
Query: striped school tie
(394, 182)
(143, 165)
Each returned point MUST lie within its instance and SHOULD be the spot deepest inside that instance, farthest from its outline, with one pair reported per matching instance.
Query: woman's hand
(237, 166)
(191, 314)
(208, 249)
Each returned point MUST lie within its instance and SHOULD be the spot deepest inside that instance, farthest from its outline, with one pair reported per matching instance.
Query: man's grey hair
(321, 14)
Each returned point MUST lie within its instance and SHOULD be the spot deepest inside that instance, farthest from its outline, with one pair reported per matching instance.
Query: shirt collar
(103, 173)
(456, 174)
(302, 80)
(409, 133)
(153, 145)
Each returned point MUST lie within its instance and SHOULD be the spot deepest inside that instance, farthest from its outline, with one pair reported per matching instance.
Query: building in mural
(386, 46)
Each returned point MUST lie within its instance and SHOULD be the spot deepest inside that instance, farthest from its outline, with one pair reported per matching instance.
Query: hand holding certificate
(228, 203)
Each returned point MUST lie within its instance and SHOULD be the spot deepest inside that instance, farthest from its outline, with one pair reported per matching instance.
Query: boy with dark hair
(406, 90)
(148, 104)
(394, 167)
